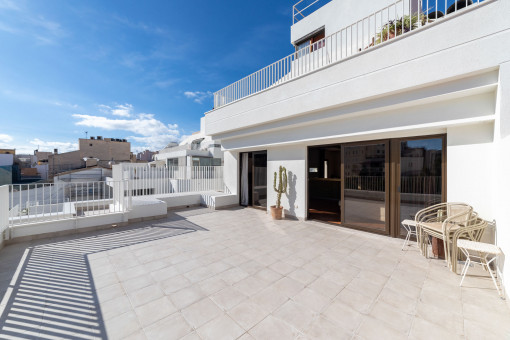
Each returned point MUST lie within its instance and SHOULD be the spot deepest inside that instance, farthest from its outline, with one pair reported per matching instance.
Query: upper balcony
(378, 28)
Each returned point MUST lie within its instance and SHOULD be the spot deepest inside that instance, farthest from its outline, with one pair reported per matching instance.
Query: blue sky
(141, 70)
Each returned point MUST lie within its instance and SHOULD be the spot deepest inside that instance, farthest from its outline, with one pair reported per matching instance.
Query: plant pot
(276, 213)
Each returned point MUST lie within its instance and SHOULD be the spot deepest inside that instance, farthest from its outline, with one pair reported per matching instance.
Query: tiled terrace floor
(236, 274)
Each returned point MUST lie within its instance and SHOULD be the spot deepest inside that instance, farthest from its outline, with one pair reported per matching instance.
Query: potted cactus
(276, 210)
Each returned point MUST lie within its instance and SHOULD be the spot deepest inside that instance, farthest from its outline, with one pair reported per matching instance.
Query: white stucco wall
(293, 158)
(231, 171)
(470, 158)
(501, 166)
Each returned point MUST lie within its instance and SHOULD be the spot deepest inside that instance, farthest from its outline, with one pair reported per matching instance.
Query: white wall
(470, 159)
(294, 159)
(501, 166)
(231, 171)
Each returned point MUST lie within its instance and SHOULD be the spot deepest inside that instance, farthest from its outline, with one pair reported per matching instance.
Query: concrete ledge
(27, 238)
(65, 225)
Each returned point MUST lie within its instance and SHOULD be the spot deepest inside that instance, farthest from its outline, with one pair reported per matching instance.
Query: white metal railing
(38, 202)
(147, 180)
(303, 8)
(390, 22)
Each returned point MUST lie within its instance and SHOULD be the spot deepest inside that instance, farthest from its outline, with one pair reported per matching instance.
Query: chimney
(55, 151)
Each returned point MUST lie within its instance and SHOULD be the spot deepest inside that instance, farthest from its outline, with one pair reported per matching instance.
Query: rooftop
(235, 273)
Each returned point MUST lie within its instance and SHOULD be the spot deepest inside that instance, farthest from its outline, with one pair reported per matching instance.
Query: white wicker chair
(442, 221)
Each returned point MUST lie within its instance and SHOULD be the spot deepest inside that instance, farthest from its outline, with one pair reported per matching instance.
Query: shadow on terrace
(48, 289)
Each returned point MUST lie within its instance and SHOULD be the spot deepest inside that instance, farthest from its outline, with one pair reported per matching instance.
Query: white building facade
(375, 117)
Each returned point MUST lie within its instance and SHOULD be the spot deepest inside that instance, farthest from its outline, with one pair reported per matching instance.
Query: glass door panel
(420, 175)
(365, 187)
(260, 179)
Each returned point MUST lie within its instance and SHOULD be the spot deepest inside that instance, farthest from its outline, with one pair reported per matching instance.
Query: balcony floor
(229, 274)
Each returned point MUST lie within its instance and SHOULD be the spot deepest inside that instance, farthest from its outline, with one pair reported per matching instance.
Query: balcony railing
(378, 28)
(35, 203)
(306, 7)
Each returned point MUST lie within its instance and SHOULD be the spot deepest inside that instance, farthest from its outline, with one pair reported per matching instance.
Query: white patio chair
(483, 251)
(410, 227)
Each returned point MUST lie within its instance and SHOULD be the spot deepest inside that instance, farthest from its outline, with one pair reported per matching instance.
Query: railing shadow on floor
(48, 289)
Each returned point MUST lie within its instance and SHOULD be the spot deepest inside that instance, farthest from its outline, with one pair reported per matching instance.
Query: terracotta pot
(276, 213)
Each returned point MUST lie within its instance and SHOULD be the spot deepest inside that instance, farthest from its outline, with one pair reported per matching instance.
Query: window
(311, 43)
(172, 162)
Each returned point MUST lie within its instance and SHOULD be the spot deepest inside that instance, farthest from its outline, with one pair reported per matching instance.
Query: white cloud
(145, 124)
(122, 110)
(147, 131)
(5, 138)
(49, 146)
(198, 96)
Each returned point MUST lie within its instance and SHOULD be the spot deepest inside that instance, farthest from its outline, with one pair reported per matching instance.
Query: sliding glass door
(421, 176)
(253, 179)
(374, 185)
(365, 193)
(260, 179)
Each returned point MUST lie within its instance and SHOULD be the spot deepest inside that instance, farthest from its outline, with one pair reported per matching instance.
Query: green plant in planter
(400, 26)
(282, 184)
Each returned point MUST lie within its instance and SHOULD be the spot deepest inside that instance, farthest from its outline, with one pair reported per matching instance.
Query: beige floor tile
(247, 314)
(325, 287)
(122, 325)
(303, 276)
(268, 275)
(174, 284)
(144, 295)
(221, 328)
(372, 328)
(299, 316)
(422, 329)
(169, 328)
(273, 328)
(392, 316)
(282, 267)
(288, 287)
(312, 300)
(447, 319)
(136, 283)
(212, 285)
(115, 307)
(250, 285)
(323, 329)
(269, 299)
(228, 298)
(187, 296)
(343, 315)
(154, 311)
(201, 312)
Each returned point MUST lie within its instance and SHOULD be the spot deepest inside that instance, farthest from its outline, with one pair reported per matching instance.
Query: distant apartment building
(6, 165)
(195, 150)
(145, 156)
(91, 152)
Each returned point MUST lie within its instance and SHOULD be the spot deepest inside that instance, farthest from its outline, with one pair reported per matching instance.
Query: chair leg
(465, 269)
(487, 264)
(406, 241)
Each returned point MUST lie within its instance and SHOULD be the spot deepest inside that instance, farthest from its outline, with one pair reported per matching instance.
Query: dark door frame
(251, 192)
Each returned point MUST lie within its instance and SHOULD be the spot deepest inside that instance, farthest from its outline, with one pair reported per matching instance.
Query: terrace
(236, 274)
